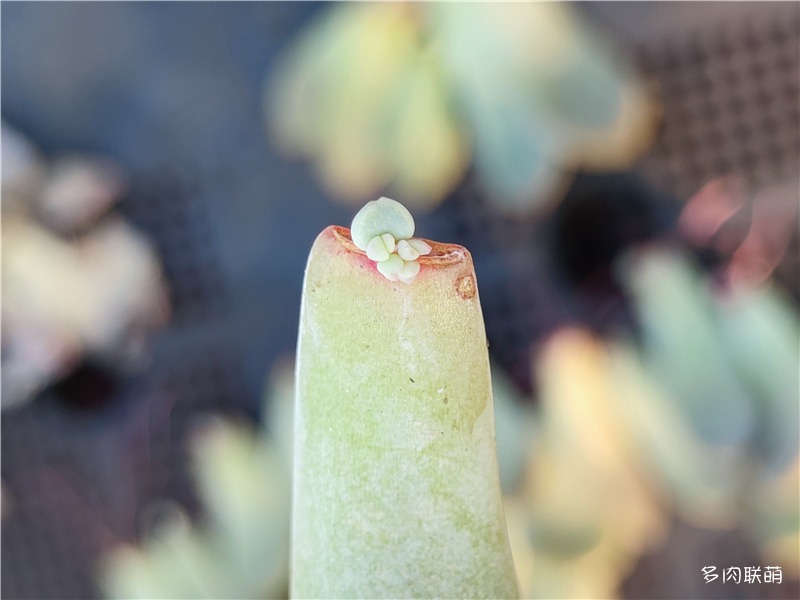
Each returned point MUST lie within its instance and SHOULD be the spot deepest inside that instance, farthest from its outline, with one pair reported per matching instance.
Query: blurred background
(624, 174)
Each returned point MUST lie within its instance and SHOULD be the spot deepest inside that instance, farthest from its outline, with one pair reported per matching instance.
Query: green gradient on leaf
(396, 482)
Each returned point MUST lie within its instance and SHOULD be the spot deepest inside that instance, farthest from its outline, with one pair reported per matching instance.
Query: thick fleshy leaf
(698, 479)
(379, 217)
(590, 509)
(758, 332)
(390, 94)
(338, 83)
(242, 550)
(396, 484)
(683, 350)
(429, 148)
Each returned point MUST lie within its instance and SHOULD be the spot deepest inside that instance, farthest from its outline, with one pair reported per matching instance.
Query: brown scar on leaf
(465, 286)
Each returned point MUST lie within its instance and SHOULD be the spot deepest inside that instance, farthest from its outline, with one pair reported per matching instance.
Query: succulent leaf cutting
(396, 489)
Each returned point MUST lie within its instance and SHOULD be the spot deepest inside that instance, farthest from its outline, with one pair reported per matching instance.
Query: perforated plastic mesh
(169, 209)
(730, 102)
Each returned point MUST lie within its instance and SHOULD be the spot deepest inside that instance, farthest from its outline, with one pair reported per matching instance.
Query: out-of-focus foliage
(776, 519)
(683, 353)
(740, 410)
(585, 504)
(406, 95)
(74, 285)
(698, 418)
(514, 430)
(728, 358)
(241, 551)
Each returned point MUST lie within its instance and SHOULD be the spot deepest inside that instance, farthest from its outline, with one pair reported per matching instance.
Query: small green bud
(377, 250)
(408, 272)
(391, 267)
(389, 242)
(406, 251)
(382, 227)
(422, 247)
(379, 217)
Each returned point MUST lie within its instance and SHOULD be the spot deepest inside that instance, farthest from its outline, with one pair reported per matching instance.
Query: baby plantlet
(396, 486)
(382, 227)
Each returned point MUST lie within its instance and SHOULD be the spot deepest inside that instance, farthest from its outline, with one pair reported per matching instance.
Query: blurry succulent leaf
(588, 105)
(370, 93)
(279, 406)
(600, 104)
(516, 152)
(356, 151)
(541, 95)
(618, 145)
(562, 539)
(759, 332)
(582, 428)
(92, 288)
(65, 297)
(514, 155)
(429, 153)
(514, 427)
(584, 478)
(244, 486)
(777, 505)
(175, 564)
(520, 42)
(585, 91)
(775, 522)
(79, 190)
(243, 550)
(700, 479)
(683, 350)
(303, 77)
(342, 79)
(518, 519)
(586, 569)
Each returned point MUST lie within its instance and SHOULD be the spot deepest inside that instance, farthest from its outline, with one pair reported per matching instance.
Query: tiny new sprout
(384, 229)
